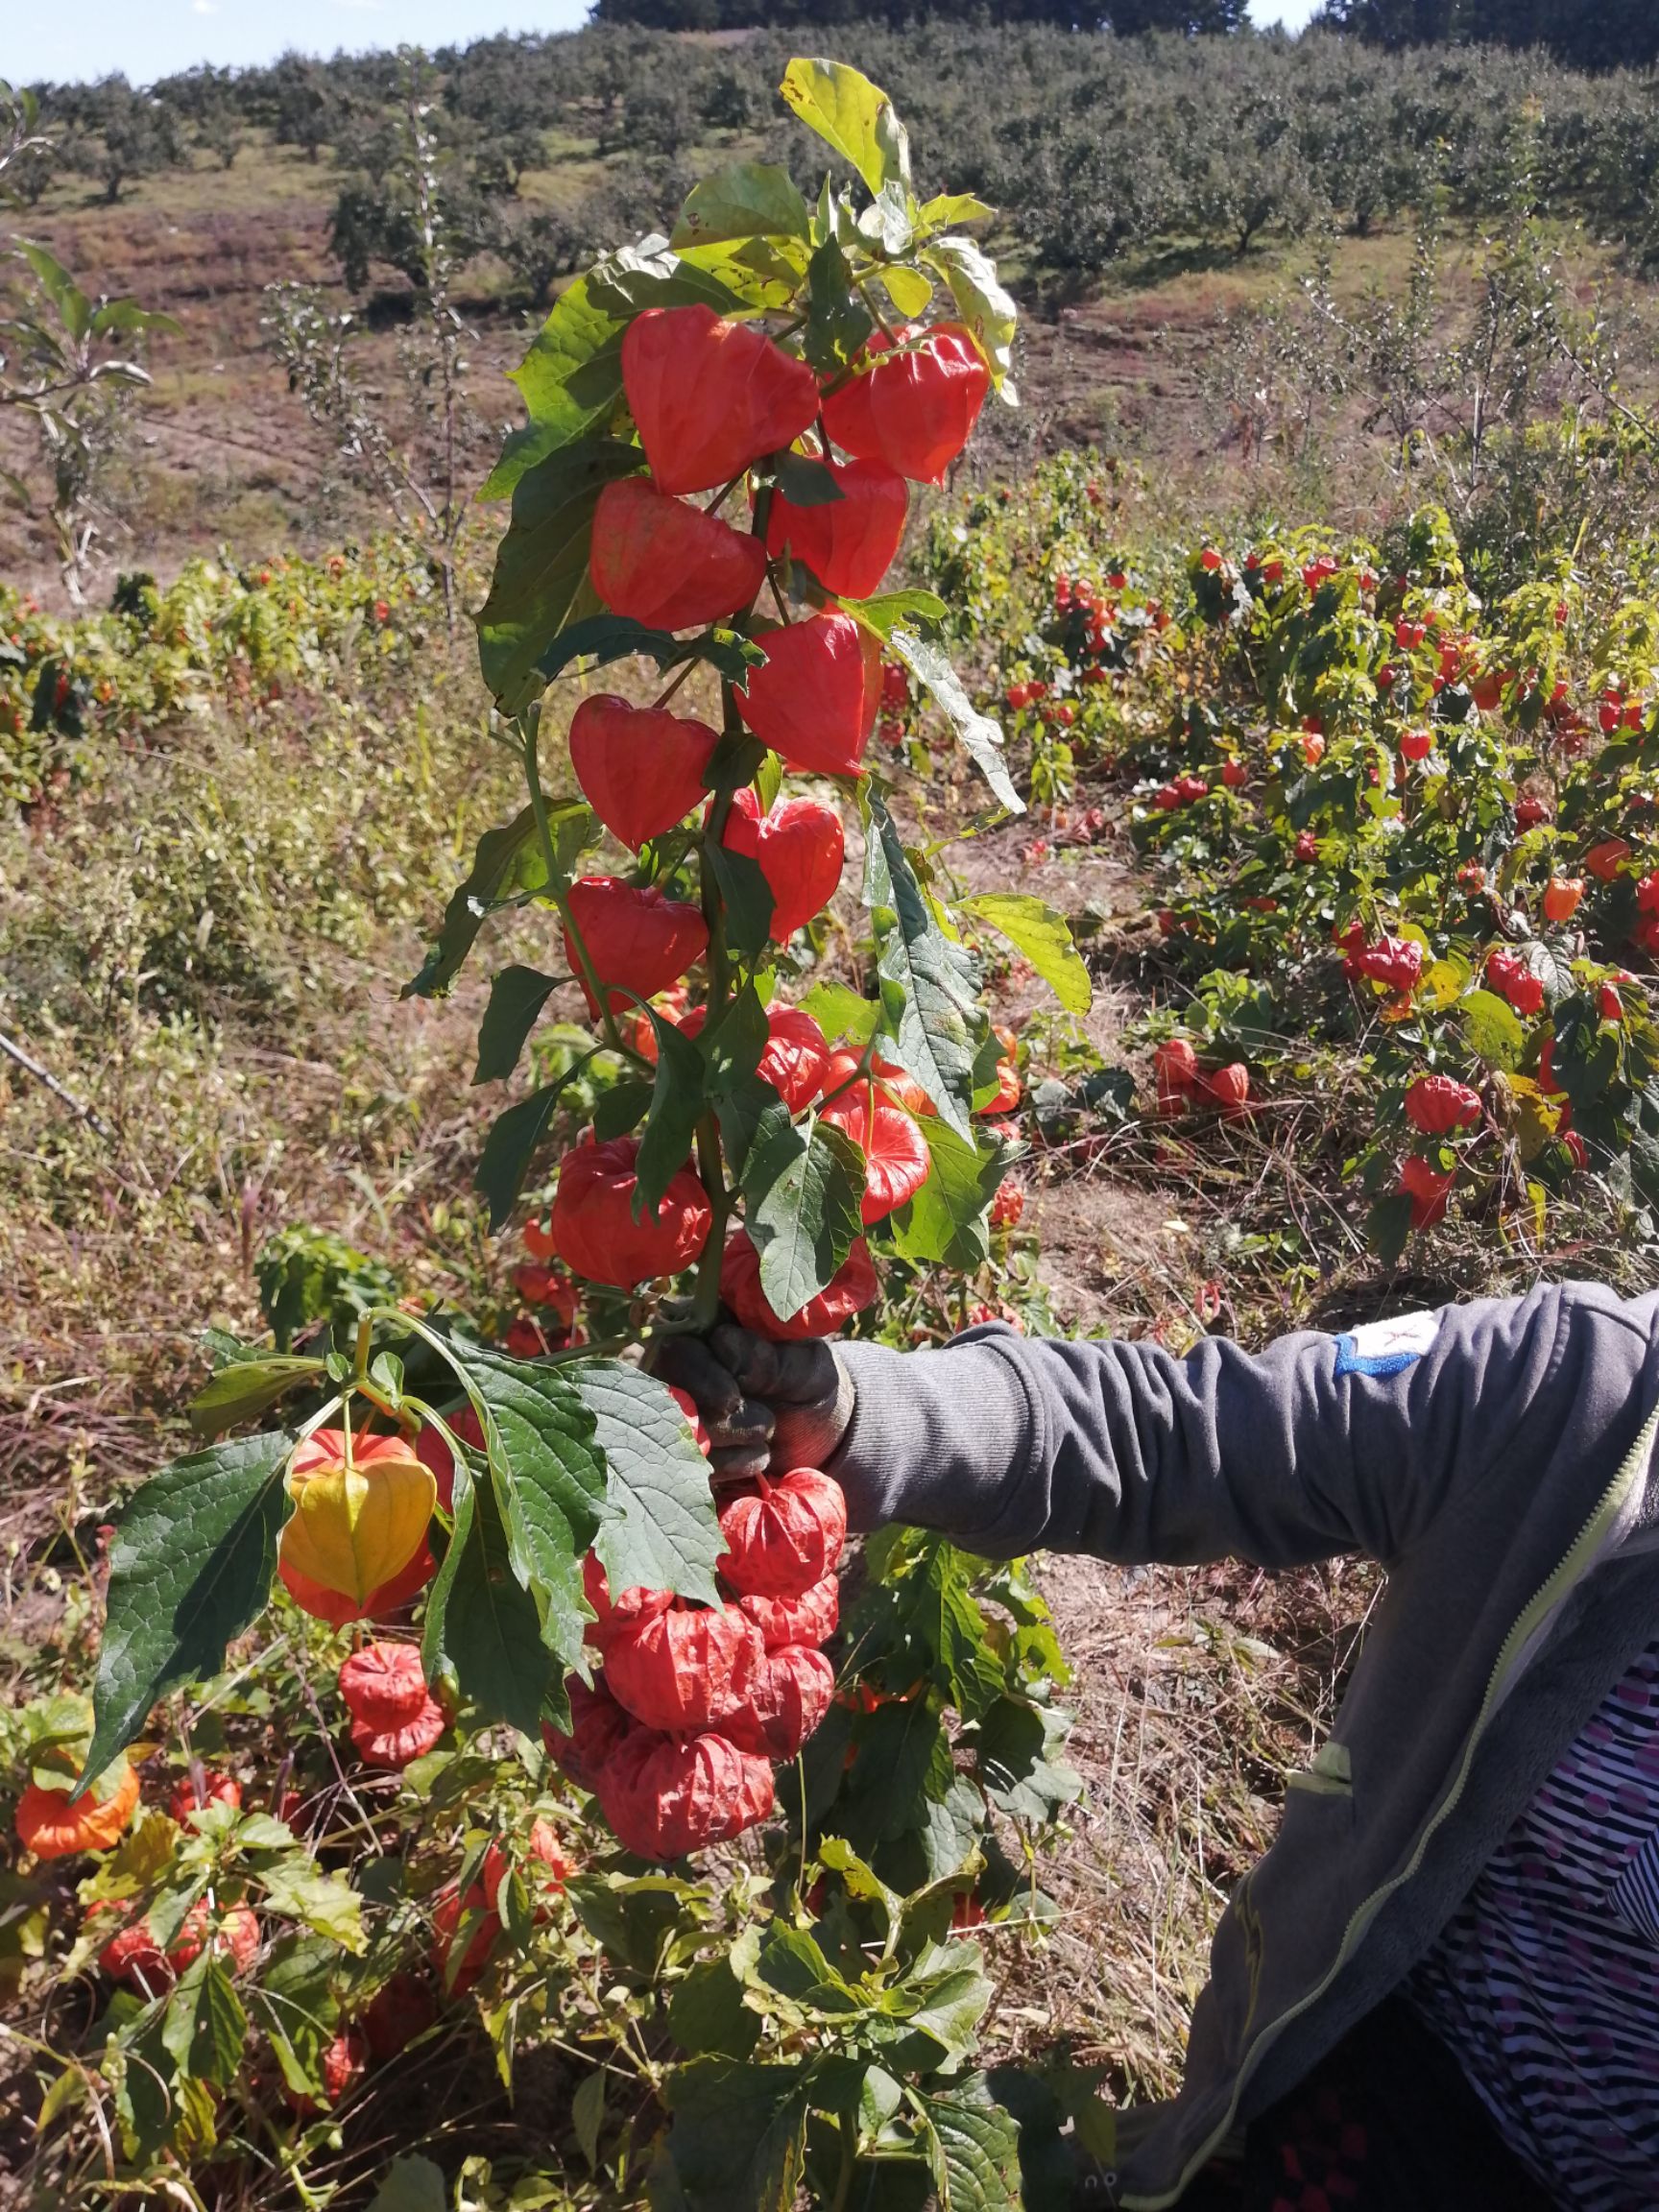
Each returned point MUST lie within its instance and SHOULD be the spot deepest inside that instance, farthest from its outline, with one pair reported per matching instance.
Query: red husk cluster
(692, 1702)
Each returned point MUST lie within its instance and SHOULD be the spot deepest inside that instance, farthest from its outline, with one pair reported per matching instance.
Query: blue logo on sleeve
(1387, 1347)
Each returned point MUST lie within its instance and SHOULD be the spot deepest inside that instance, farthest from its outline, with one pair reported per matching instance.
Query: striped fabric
(1545, 1984)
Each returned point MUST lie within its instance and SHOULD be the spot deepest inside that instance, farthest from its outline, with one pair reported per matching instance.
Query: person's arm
(1119, 1449)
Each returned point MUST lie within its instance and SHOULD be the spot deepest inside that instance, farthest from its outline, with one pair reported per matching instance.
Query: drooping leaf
(1015, 1752)
(677, 1106)
(889, 611)
(204, 2027)
(804, 482)
(296, 1886)
(929, 984)
(541, 580)
(751, 200)
(972, 2148)
(191, 1568)
(509, 859)
(414, 2185)
(747, 897)
(837, 321)
(571, 381)
(982, 738)
(947, 1223)
(842, 1012)
(706, 2015)
(1495, 1033)
(852, 115)
(245, 1388)
(1041, 935)
(293, 2000)
(739, 2138)
(606, 638)
(652, 275)
(981, 302)
(490, 1625)
(731, 1051)
(803, 1189)
(661, 1529)
(511, 1144)
(548, 1474)
(516, 997)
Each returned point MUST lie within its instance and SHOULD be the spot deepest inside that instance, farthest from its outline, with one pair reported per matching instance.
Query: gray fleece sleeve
(1300, 1452)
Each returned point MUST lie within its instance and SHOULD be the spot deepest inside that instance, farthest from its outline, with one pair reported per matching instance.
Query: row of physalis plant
(1452, 835)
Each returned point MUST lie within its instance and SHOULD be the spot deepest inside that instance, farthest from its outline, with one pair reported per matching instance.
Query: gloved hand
(767, 1406)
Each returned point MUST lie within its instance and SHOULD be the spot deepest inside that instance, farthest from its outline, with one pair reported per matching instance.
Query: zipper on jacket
(1537, 1610)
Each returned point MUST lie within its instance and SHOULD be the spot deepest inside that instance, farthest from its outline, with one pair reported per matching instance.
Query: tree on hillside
(1123, 16)
(1586, 33)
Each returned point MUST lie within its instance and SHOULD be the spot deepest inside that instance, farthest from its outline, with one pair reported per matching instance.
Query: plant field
(772, 857)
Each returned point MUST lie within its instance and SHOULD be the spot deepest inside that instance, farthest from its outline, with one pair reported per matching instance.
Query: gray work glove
(767, 1406)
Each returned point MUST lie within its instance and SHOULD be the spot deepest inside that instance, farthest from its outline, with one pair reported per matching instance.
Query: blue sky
(149, 38)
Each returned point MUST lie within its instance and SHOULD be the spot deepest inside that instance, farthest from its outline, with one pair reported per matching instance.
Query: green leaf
(804, 482)
(191, 1568)
(416, 2184)
(245, 1388)
(548, 1477)
(949, 2002)
(946, 1222)
(508, 860)
(929, 984)
(950, 208)
(633, 278)
(1495, 1032)
(982, 738)
(732, 1051)
(706, 2015)
(490, 1625)
(802, 1189)
(889, 609)
(747, 897)
(910, 292)
(204, 2027)
(511, 1144)
(605, 637)
(852, 115)
(903, 1759)
(661, 1530)
(147, 2085)
(73, 307)
(1389, 1226)
(1041, 935)
(541, 580)
(516, 997)
(837, 321)
(1012, 1747)
(943, 1612)
(842, 1012)
(293, 2000)
(982, 303)
(677, 1106)
(326, 1904)
(620, 1109)
(752, 200)
(572, 380)
(739, 2138)
(972, 2148)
